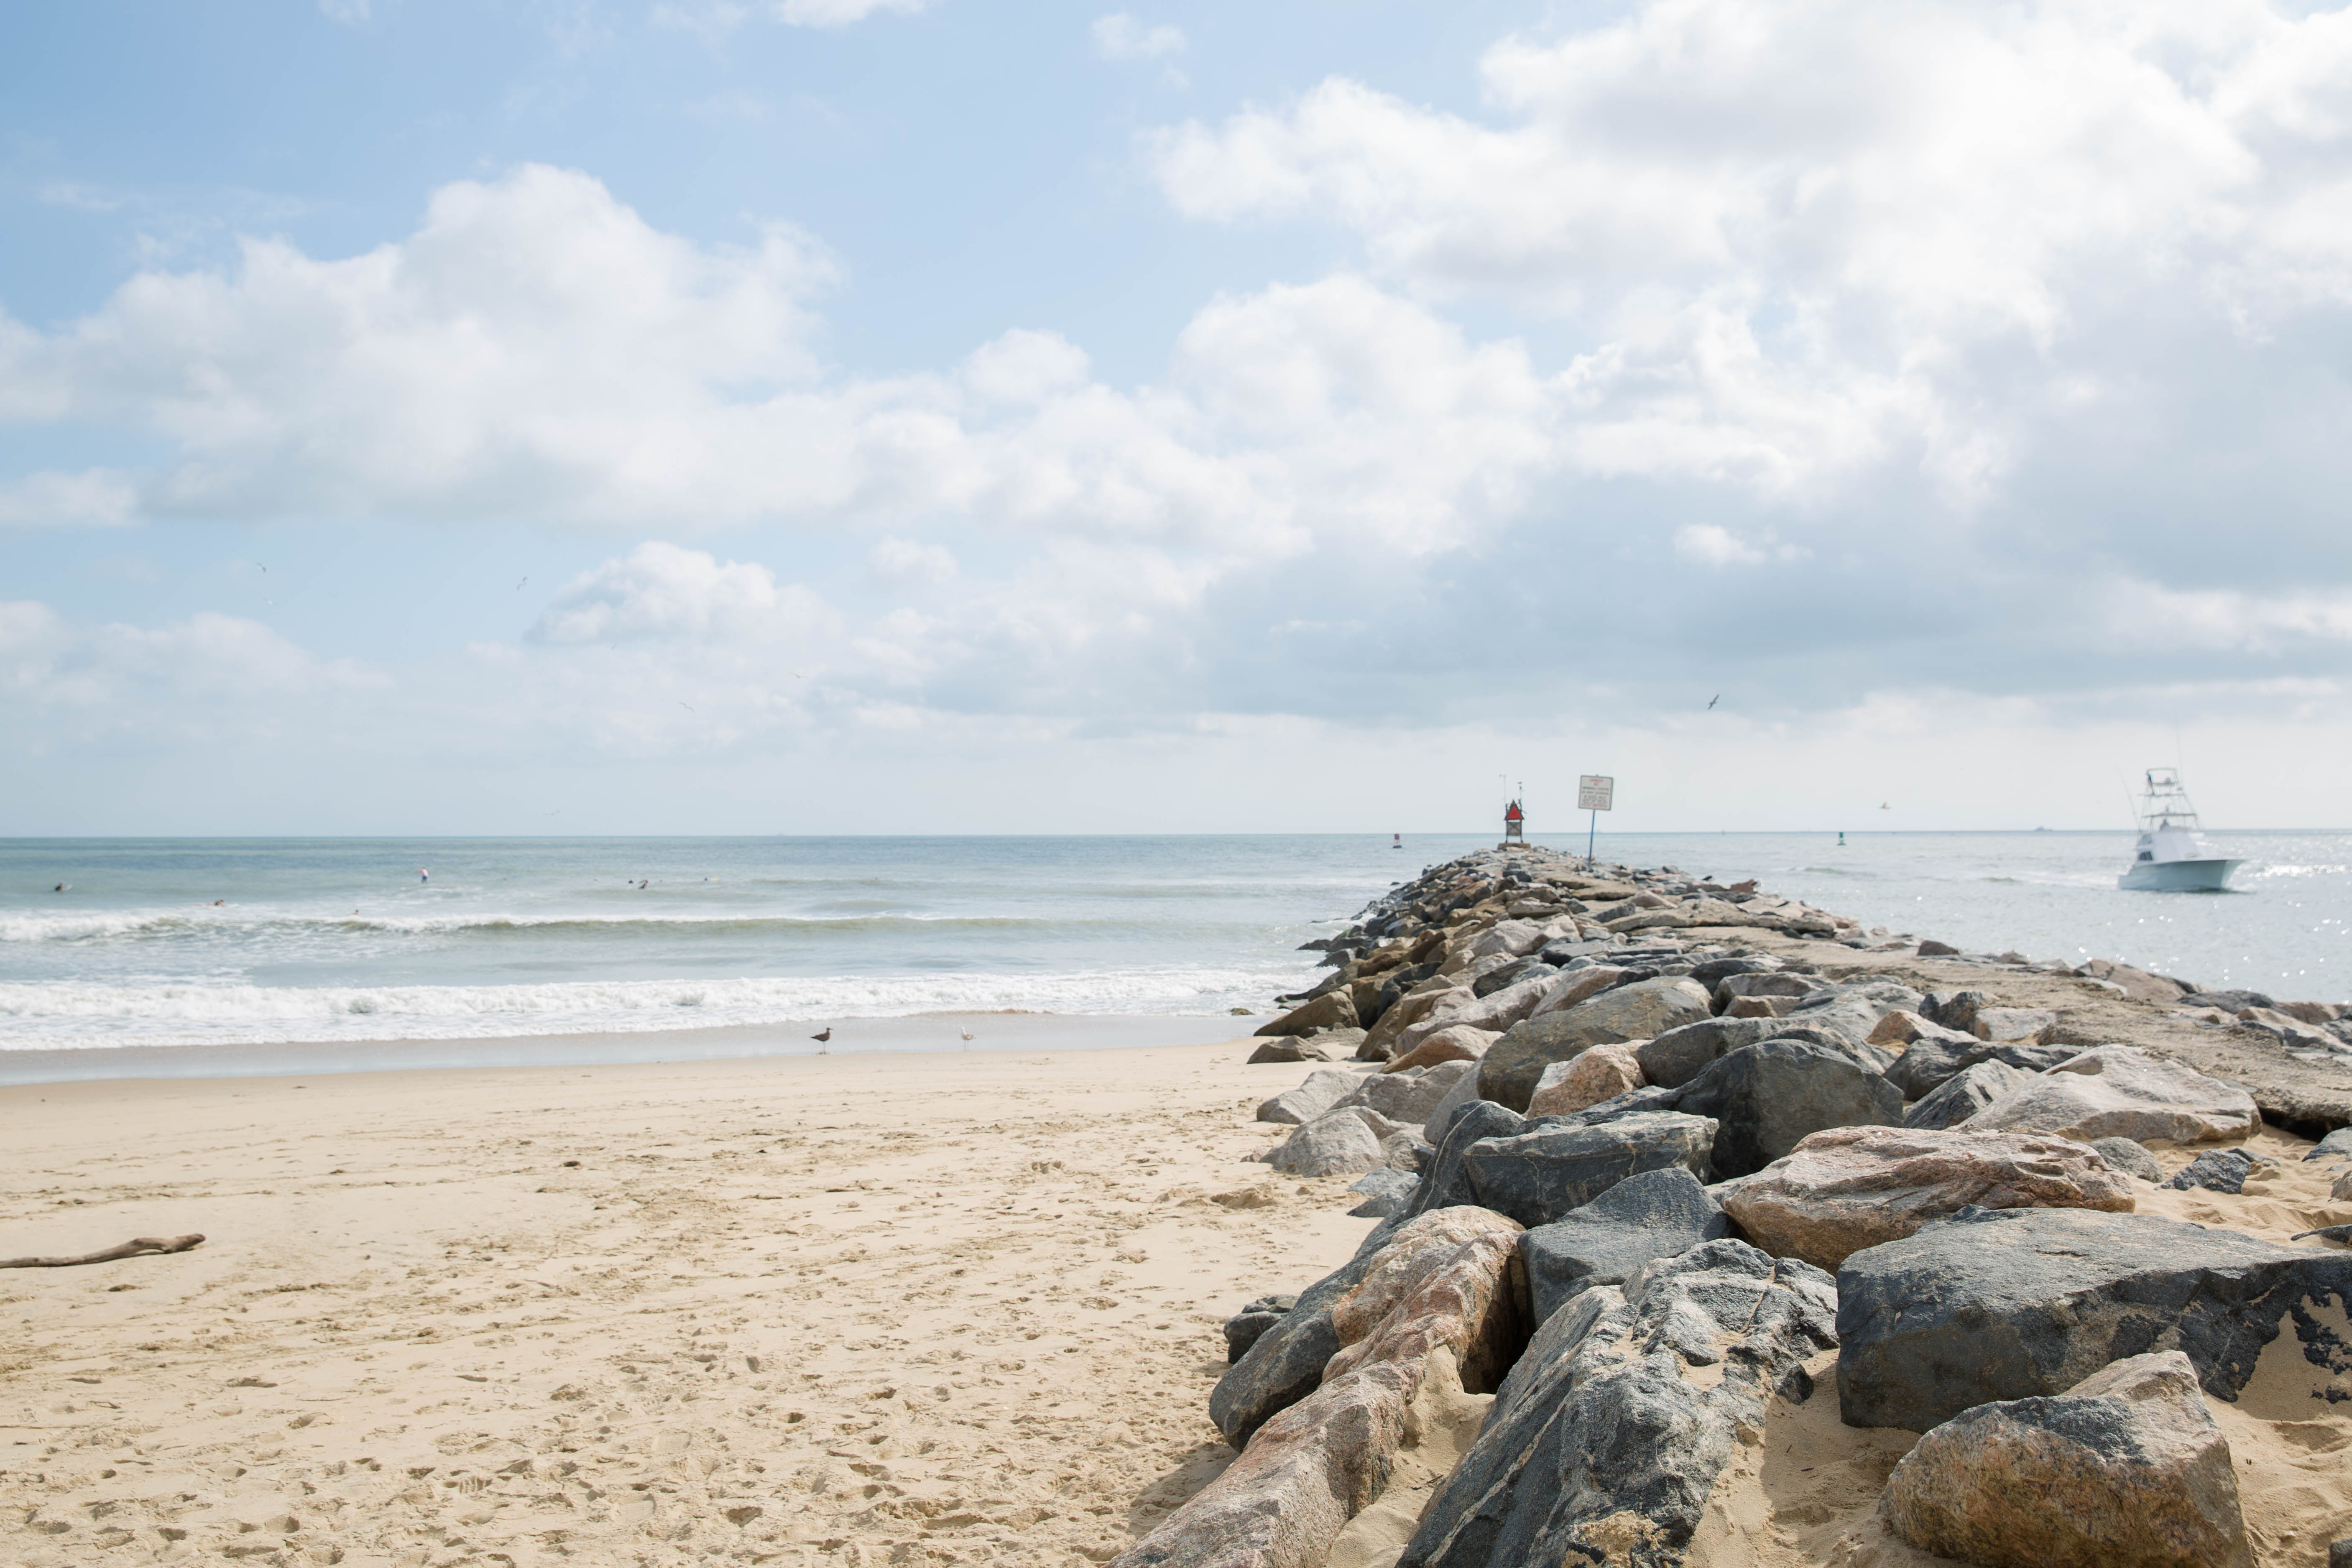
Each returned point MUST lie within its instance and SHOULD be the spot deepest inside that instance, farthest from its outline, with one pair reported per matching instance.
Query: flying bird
(519, 585)
(1712, 700)
(685, 704)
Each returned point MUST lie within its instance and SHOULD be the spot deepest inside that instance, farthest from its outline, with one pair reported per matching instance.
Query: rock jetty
(1680, 1185)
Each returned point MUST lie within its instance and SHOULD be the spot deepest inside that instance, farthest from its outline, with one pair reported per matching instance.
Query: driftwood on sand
(131, 1249)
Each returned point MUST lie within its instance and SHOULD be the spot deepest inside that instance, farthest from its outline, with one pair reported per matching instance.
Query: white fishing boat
(2173, 855)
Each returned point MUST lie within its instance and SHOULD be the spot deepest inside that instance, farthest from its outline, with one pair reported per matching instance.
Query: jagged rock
(1770, 1096)
(1657, 1214)
(1935, 1057)
(1319, 1093)
(1598, 1073)
(2229, 1001)
(2216, 1170)
(1446, 1182)
(1680, 1055)
(2125, 1469)
(1386, 1191)
(1963, 1094)
(1931, 948)
(1901, 1026)
(1541, 1172)
(1429, 1308)
(1453, 1043)
(1507, 974)
(1603, 1443)
(1244, 1328)
(2336, 1145)
(1426, 1001)
(1336, 1144)
(2010, 1303)
(1463, 1093)
(1715, 970)
(1509, 939)
(1852, 1187)
(2116, 1092)
(1332, 1010)
(1287, 1049)
(2130, 1158)
(1635, 1012)
(1760, 984)
(1953, 1009)
(2139, 984)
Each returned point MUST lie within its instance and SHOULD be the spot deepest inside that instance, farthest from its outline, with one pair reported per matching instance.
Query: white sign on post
(1594, 790)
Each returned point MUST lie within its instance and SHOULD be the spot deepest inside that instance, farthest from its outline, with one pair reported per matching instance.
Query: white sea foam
(64, 1015)
(136, 923)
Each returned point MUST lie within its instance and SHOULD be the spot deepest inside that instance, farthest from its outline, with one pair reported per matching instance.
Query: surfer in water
(423, 875)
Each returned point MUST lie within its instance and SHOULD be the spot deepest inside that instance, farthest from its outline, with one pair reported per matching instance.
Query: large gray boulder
(1769, 1096)
(2119, 1091)
(1607, 1436)
(1446, 1183)
(1962, 1095)
(2132, 1159)
(1319, 1093)
(1637, 1012)
(1674, 1057)
(2125, 1469)
(1538, 1174)
(1933, 1059)
(2011, 1303)
(1658, 1213)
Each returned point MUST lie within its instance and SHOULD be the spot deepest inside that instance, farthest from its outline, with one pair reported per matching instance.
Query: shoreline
(993, 1031)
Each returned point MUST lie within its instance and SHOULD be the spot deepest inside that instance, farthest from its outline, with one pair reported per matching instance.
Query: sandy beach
(857, 1310)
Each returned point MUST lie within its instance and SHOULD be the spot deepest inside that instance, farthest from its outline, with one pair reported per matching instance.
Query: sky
(933, 416)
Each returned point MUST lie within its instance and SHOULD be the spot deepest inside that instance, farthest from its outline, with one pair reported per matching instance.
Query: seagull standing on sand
(967, 1035)
(821, 1037)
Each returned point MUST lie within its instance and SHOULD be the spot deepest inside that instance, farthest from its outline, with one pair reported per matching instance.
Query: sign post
(1595, 793)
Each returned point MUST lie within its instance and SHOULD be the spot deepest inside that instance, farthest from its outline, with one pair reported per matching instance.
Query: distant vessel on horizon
(2173, 855)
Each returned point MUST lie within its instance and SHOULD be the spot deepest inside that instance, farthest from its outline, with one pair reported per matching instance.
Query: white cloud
(350, 13)
(911, 560)
(1120, 38)
(94, 497)
(663, 591)
(719, 16)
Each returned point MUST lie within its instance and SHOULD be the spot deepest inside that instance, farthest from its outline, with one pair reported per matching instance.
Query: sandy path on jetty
(853, 1309)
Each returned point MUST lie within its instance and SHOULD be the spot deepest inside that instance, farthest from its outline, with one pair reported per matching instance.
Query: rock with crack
(1408, 1096)
(1658, 1213)
(1771, 1096)
(2119, 1091)
(1246, 1327)
(1550, 1168)
(2125, 1469)
(1452, 1042)
(2216, 1170)
(1386, 1191)
(1606, 1438)
(1852, 1187)
(1429, 1314)
(2015, 1303)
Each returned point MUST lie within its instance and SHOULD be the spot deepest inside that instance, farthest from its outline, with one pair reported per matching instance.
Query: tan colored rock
(2312, 1012)
(1455, 1042)
(1413, 1007)
(2341, 1188)
(1900, 1028)
(1604, 1072)
(1430, 1313)
(1759, 1008)
(1850, 1187)
(2120, 1091)
(1332, 1010)
(2125, 1469)
(2004, 1024)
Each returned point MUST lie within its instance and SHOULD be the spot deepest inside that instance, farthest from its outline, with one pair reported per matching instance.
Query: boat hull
(2178, 877)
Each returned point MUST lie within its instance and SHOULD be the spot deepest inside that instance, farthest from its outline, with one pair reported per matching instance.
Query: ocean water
(208, 941)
